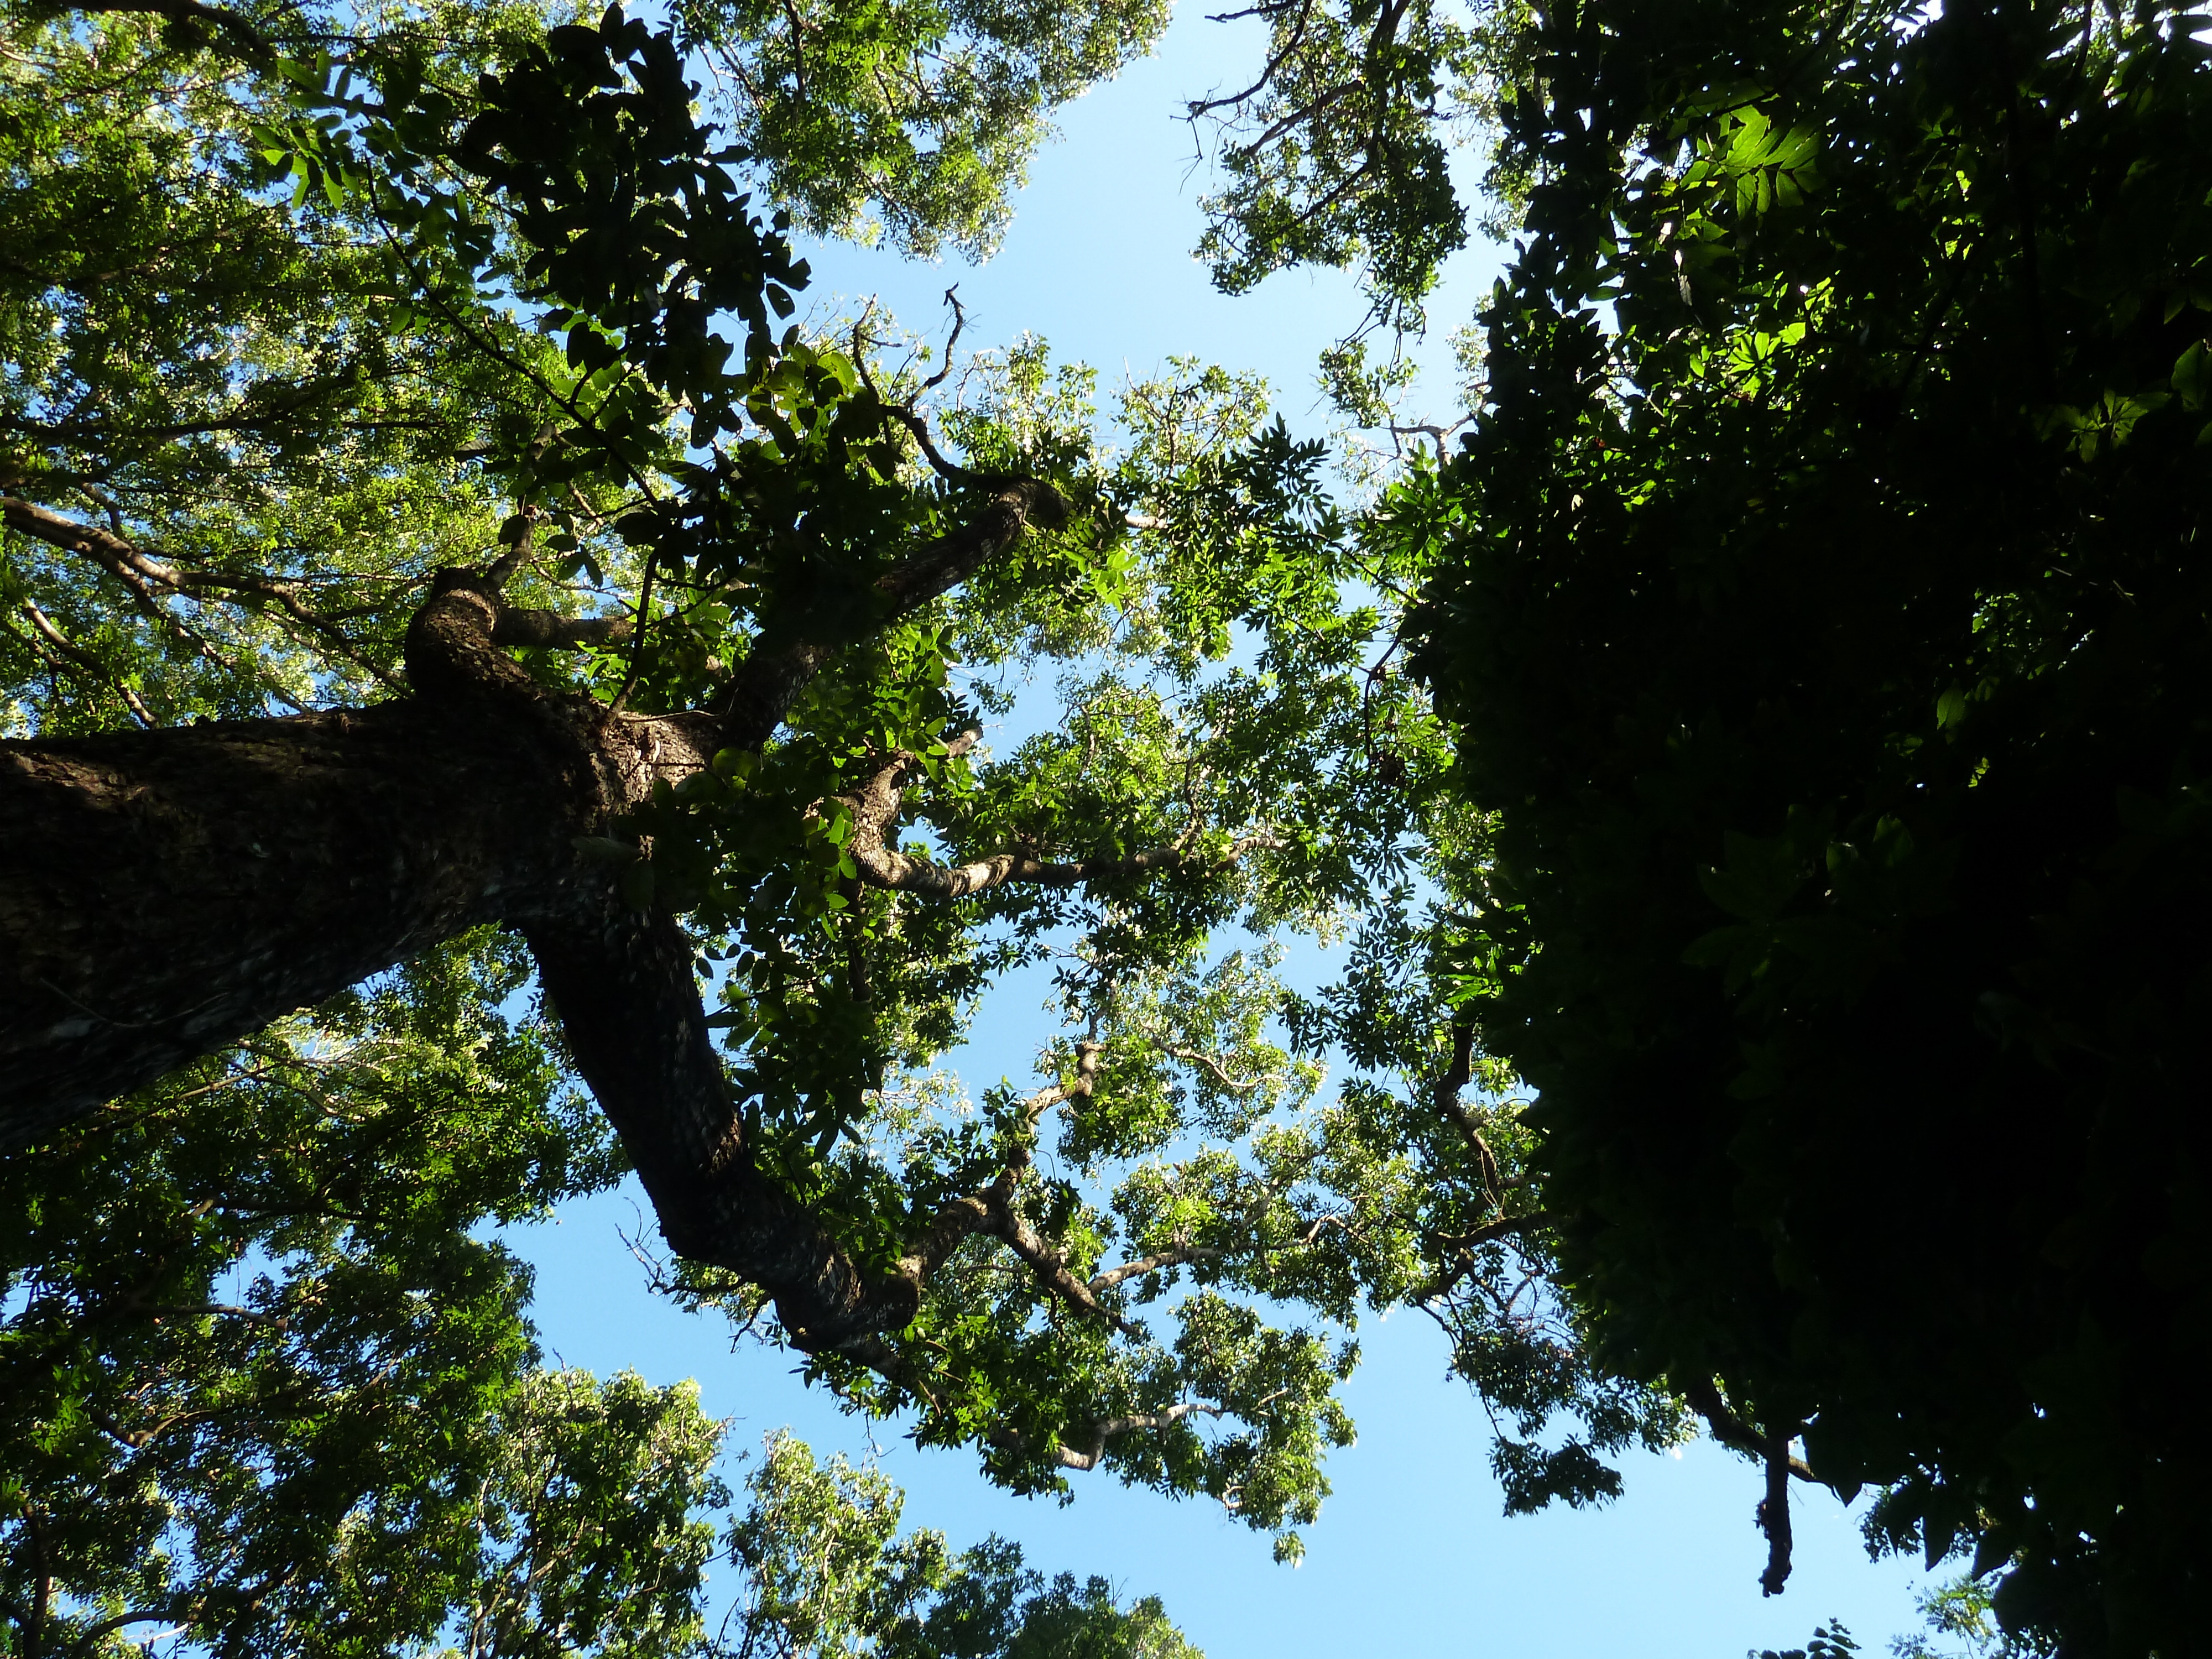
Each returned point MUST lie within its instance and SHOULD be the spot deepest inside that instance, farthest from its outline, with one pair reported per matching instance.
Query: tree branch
(631, 1009)
(1108, 1428)
(1152, 1263)
(1505, 1227)
(147, 577)
(248, 38)
(1213, 1068)
(1199, 107)
(875, 809)
(1053, 1272)
(1774, 1512)
(551, 628)
(781, 666)
(89, 1637)
(1731, 1431)
(1455, 1078)
(83, 665)
(989, 1209)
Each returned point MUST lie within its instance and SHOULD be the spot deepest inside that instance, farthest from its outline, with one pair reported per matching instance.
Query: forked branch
(989, 1209)
(875, 809)
(782, 664)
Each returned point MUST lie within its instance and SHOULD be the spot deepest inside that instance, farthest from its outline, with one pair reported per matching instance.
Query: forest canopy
(471, 622)
(424, 516)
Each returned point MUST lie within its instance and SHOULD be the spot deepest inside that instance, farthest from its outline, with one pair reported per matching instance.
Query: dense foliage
(1809, 806)
(1821, 607)
(910, 120)
(1818, 604)
(267, 1387)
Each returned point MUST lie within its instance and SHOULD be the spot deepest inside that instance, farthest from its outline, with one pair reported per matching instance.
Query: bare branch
(1152, 1264)
(1108, 1428)
(959, 322)
(1200, 107)
(183, 1612)
(205, 1310)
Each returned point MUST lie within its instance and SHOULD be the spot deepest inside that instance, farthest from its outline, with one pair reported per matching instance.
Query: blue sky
(1412, 1555)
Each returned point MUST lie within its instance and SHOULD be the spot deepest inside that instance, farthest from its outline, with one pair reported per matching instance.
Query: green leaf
(2192, 376)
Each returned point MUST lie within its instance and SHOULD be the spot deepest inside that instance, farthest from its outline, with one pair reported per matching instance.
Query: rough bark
(164, 893)
(622, 987)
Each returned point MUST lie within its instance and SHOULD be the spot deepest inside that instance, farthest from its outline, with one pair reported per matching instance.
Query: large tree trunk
(162, 893)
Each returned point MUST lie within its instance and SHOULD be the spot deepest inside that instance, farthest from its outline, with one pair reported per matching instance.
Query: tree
(344, 380)
(267, 1387)
(1818, 607)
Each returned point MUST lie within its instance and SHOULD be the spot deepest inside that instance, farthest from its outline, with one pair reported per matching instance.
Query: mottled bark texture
(163, 893)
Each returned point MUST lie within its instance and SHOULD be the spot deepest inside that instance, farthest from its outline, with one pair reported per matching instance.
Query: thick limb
(165, 893)
(629, 1006)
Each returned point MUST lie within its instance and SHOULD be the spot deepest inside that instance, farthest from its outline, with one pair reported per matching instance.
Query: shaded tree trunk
(163, 893)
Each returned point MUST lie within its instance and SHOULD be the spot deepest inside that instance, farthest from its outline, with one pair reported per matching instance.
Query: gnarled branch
(875, 808)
